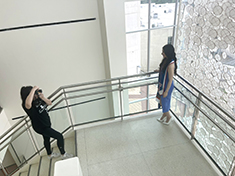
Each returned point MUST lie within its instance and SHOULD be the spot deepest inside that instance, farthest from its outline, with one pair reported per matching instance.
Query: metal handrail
(110, 80)
(76, 85)
(16, 126)
(216, 105)
(218, 114)
(97, 82)
(216, 124)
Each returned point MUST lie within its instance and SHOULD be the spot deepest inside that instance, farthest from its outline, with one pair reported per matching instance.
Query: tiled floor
(139, 147)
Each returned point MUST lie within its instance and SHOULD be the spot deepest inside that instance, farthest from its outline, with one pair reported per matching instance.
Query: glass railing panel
(59, 117)
(181, 105)
(217, 144)
(153, 104)
(3, 152)
(14, 131)
(136, 90)
(38, 139)
(92, 105)
(136, 99)
(182, 108)
(115, 99)
(219, 116)
(23, 146)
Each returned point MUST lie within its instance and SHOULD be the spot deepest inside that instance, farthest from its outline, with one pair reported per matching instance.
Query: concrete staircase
(41, 165)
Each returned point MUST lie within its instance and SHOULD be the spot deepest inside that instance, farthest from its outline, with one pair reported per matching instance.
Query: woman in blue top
(167, 70)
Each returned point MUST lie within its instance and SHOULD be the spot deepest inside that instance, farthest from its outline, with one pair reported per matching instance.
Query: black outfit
(42, 124)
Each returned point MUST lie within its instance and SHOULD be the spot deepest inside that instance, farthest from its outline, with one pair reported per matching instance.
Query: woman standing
(34, 103)
(167, 70)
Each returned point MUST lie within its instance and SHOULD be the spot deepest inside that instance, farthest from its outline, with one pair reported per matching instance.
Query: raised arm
(29, 99)
(46, 100)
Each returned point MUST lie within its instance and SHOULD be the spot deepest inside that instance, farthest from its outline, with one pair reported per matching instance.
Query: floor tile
(109, 142)
(183, 160)
(139, 146)
(134, 165)
(151, 134)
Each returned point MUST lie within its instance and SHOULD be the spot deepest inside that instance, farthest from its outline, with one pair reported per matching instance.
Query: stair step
(69, 142)
(33, 170)
(24, 174)
(44, 166)
(43, 170)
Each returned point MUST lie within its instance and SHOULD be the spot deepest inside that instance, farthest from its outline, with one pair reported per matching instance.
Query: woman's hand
(156, 70)
(41, 95)
(30, 97)
(46, 100)
(35, 88)
(165, 94)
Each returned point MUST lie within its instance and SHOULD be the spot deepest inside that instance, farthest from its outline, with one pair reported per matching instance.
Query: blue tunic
(166, 102)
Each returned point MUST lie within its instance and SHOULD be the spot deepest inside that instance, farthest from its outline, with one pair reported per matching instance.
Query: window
(149, 26)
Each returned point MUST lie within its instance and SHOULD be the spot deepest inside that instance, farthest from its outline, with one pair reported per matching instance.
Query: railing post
(120, 96)
(70, 116)
(32, 137)
(195, 117)
(232, 168)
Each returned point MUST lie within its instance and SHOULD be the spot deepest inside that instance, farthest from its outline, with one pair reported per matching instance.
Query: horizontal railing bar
(20, 117)
(108, 86)
(217, 113)
(57, 97)
(100, 81)
(13, 132)
(231, 137)
(95, 93)
(89, 88)
(13, 126)
(114, 117)
(79, 96)
(155, 28)
(139, 80)
(217, 106)
(139, 85)
(78, 103)
(13, 138)
(143, 99)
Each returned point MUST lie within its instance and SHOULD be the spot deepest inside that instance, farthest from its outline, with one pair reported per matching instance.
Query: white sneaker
(53, 155)
(66, 155)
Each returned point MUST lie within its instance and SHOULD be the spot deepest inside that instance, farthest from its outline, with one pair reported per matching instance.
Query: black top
(38, 115)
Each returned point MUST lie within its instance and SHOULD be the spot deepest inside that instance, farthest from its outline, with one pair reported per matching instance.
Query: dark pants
(47, 133)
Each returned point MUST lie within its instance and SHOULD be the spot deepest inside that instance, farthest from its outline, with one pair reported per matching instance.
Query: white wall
(115, 27)
(4, 125)
(54, 56)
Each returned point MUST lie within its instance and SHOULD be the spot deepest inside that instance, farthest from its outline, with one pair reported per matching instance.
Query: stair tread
(45, 162)
(34, 170)
(44, 167)
(24, 174)
(69, 148)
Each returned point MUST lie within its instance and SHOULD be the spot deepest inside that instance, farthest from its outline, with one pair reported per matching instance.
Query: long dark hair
(24, 92)
(170, 55)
